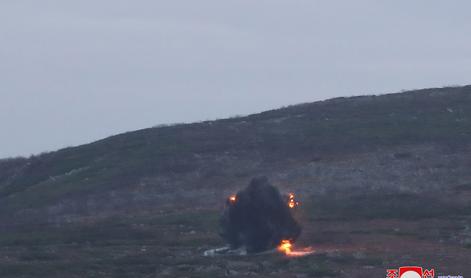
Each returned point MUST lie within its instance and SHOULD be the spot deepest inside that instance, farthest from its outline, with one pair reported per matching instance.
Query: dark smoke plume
(259, 218)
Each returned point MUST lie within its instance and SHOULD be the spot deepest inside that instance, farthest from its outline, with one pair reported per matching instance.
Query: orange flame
(286, 247)
(292, 203)
(232, 199)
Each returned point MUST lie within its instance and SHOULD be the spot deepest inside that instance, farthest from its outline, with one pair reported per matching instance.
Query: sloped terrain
(383, 181)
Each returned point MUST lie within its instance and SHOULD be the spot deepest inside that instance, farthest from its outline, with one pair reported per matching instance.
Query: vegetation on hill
(305, 131)
(375, 175)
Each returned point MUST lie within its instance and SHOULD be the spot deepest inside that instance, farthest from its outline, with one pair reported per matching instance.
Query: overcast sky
(72, 72)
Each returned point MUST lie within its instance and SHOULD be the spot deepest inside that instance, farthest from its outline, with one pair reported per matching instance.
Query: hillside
(361, 158)
(303, 132)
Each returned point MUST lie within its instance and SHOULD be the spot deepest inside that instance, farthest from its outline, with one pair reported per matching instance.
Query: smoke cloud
(258, 217)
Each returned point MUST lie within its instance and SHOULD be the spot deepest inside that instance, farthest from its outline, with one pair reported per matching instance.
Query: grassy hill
(359, 158)
(302, 132)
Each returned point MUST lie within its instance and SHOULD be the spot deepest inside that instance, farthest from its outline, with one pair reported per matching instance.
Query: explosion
(258, 218)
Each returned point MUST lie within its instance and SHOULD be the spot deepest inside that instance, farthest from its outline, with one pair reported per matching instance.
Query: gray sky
(72, 72)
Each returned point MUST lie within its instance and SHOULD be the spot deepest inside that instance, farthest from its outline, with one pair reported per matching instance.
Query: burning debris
(259, 218)
(286, 247)
(292, 203)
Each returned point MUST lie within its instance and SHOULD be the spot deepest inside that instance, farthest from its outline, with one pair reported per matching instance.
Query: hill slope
(375, 175)
(237, 147)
